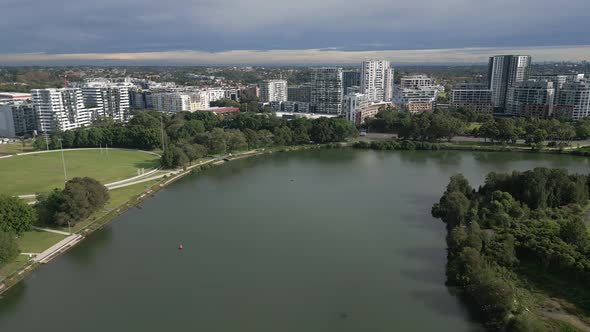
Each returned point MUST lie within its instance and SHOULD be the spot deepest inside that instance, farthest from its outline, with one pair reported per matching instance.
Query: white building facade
(60, 109)
(576, 95)
(110, 99)
(172, 102)
(377, 80)
(273, 90)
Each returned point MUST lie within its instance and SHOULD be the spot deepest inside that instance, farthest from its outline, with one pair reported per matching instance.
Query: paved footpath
(51, 231)
(57, 248)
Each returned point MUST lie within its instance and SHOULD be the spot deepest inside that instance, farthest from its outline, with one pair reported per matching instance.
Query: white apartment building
(273, 90)
(215, 94)
(377, 80)
(421, 99)
(110, 99)
(203, 102)
(415, 82)
(61, 109)
(326, 90)
(353, 103)
(576, 94)
(173, 102)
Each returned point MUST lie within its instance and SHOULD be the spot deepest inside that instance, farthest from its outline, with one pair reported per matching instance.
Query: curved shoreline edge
(22, 273)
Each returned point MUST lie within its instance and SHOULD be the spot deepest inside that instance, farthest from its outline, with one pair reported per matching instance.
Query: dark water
(330, 240)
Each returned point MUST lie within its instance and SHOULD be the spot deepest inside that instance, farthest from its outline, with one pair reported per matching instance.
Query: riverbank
(396, 144)
(21, 269)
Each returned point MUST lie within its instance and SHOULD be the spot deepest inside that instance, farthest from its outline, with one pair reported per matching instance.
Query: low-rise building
(353, 103)
(472, 96)
(531, 98)
(421, 99)
(574, 97)
(175, 102)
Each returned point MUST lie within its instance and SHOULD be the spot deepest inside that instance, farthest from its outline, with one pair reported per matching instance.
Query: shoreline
(388, 145)
(23, 272)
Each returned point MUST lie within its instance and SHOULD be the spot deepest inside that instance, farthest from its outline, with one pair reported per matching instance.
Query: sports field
(21, 175)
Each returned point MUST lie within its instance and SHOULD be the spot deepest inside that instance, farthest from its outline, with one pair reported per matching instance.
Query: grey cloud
(73, 26)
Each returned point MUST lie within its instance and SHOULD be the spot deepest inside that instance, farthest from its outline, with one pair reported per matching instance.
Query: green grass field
(13, 148)
(37, 173)
(10, 268)
(37, 241)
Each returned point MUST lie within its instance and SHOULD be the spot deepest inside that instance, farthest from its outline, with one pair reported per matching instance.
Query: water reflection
(440, 158)
(11, 299)
(92, 246)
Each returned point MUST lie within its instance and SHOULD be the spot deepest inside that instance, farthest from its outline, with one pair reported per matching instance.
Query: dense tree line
(80, 198)
(447, 124)
(186, 136)
(532, 130)
(512, 223)
(16, 217)
(424, 126)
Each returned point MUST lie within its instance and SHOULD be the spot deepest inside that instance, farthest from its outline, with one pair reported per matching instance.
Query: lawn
(122, 195)
(38, 241)
(36, 173)
(13, 148)
(8, 269)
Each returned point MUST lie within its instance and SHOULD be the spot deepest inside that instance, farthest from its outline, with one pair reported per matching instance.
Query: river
(323, 240)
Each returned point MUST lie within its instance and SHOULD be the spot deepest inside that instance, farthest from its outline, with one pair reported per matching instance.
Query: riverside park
(41, 172)
(29, 174)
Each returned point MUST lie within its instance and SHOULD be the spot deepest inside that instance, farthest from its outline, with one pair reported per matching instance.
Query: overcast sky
(205, 31)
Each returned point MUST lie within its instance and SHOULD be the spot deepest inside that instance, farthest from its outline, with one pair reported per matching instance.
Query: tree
(217, 141)
(16, 216)
(77, 201)
(489, 130)
(174, 157)
(459, 183)
(582, 128)
(194, 151)
(452, 209)
(283, 136)
(321, 131)
(8, 248)
(236, 141)
(146, 120)
(574, 231)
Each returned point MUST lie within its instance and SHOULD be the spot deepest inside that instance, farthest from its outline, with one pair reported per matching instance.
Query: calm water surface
(329, 240)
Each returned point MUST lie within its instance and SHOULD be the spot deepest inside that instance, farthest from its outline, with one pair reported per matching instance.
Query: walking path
(57, 248)
(51, 231)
